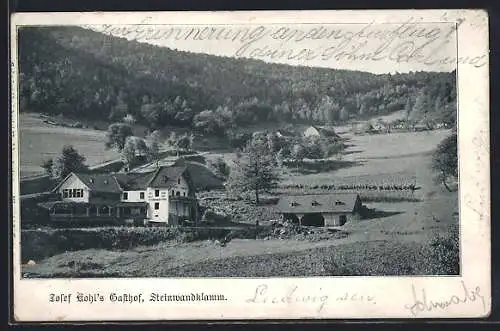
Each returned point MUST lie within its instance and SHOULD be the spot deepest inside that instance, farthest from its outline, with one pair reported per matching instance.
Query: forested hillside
(82, 73)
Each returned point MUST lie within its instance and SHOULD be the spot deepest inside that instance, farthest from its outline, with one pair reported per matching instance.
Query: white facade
(157, 199)
(160, 204)
(73, 189)
(134, 196)
(181, 188)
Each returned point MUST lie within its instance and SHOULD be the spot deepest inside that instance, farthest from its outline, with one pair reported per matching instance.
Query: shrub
(444, 252)
(439, 257)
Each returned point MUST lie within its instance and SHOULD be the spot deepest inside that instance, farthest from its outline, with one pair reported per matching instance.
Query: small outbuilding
(320, 209)
(322, 132)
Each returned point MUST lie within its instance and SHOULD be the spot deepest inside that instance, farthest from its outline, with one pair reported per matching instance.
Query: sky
(377, 48)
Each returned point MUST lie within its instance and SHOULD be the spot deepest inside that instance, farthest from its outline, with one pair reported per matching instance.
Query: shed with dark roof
(320, 209)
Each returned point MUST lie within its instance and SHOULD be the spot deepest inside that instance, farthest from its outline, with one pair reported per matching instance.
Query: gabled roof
(166, 177)
(100, 182)
(318, 203)
(163, 177)
(95, 182)
(134, 181)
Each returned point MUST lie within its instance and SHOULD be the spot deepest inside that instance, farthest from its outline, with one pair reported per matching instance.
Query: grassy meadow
(404, 237)
(39, 141)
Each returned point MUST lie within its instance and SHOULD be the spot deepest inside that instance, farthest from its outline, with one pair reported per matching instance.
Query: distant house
(320, 209)
(166, 195)
(316, 131)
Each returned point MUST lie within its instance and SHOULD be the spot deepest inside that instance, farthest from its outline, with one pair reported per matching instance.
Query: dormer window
(294, 203)
(92, 180)
(178, 181)
(338, 202)
(105, 181)
(315, 203)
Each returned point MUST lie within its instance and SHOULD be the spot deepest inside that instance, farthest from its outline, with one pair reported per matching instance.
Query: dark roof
(166, 177)
(134, 181)
(318, 203)
(116, 183)
(100, 182)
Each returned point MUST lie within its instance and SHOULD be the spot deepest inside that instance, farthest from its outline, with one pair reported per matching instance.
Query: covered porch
(182, 210)
(104, 211)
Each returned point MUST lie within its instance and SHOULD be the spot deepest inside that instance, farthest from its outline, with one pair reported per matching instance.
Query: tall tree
(184, 142)
(298, 153)
(408, 108)
(153, 146)
(48, 166)
(69, 161)
(134, 147)
(445, 161)
(344, 114)
(254, 170)
(117, 135)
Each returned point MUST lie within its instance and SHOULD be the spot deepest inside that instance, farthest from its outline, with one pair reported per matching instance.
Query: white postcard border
(382, 297)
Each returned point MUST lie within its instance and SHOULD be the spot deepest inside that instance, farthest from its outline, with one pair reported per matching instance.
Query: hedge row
(37, 244)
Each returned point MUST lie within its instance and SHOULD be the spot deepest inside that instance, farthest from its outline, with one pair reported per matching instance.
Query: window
(157, 205)
(141, 195)
(157, 193)
(184, 193)
(70, 193)
(178, 181)
(342, 219)
(172, 193)
(125, 195)
(65, 193)
(178, 193)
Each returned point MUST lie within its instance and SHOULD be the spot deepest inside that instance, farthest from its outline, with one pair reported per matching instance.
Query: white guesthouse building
(166, 195)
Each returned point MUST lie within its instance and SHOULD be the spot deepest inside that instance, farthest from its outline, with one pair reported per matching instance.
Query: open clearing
(40, 141)
(401, 236)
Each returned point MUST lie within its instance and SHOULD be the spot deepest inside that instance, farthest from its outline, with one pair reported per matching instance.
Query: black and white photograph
(241, 150)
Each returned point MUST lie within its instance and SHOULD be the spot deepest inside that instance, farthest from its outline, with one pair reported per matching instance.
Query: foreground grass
(374, 258)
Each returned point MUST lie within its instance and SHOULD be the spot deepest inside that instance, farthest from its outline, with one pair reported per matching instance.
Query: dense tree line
(77, 72)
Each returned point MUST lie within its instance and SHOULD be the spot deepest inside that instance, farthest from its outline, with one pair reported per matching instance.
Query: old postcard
(250, 165)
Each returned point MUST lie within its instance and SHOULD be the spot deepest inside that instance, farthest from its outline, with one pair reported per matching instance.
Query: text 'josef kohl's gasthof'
(89, 298)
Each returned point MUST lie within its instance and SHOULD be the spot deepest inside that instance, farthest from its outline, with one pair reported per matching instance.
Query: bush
(445, 253)
(439, 257)
(211, 216)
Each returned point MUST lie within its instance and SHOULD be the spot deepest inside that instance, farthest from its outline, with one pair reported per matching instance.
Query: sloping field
(398, 144)
(39, 141)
